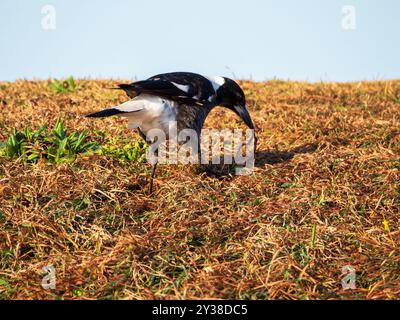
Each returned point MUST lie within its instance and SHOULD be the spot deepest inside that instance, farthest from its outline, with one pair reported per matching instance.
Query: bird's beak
(242, 112)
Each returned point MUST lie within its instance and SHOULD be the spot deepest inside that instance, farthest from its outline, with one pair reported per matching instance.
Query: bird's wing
(183, 87)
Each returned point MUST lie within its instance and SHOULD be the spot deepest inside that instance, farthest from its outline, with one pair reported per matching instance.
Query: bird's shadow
(224, 171)
(277, 157)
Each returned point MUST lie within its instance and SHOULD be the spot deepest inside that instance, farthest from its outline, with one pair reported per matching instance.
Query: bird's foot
(217, 171)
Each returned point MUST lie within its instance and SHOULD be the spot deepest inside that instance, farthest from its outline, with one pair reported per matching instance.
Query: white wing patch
(182, 87)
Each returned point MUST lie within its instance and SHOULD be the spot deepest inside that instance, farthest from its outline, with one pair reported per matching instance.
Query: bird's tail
(127, 108)
(105, 113)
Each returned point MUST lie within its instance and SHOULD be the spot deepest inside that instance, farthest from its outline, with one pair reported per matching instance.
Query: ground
(324, 195)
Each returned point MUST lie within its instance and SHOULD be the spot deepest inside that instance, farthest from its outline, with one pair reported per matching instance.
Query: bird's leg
(205, 167)
(153, 171)
(153, 174)
(153, 166)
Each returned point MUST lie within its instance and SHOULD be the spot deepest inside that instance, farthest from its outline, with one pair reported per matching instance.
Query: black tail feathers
(126, 87)
(104, 113)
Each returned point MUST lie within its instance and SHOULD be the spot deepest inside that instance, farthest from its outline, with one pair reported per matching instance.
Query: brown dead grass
(328, 159)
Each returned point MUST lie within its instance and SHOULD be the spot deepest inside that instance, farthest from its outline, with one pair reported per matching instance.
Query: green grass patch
(125, 151)
(63, 86)
(60, 146)
(55, 145)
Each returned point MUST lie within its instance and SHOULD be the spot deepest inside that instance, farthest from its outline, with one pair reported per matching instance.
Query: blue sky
(257, 39)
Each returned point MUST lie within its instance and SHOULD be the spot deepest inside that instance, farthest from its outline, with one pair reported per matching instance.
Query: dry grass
(328, 161)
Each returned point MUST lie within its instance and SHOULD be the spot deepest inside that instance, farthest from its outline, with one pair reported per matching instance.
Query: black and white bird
(182, 97)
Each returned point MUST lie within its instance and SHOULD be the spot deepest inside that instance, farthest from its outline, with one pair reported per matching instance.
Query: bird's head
(231, 96)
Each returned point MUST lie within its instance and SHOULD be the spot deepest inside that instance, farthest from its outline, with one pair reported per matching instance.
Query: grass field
(325, 194)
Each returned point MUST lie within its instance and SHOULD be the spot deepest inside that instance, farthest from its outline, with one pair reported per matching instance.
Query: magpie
(182, 97)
